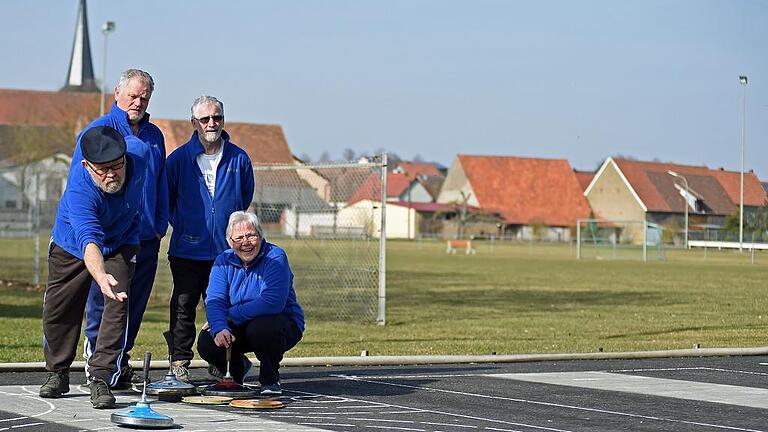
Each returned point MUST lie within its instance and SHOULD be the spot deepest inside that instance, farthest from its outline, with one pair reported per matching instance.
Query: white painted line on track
(753, 397)
(449, 424)
(688, 369)
(395, 428)
(463, 416)
(504, 430)
(552, 404)
(381, 420)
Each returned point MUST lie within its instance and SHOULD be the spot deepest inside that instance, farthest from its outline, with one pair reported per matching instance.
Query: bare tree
(348, 154)
(33, 143)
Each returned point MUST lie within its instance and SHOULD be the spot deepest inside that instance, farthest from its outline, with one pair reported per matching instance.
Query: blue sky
(576, 80)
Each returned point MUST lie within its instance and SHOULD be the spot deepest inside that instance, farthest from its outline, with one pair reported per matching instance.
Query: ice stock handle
(147, 360)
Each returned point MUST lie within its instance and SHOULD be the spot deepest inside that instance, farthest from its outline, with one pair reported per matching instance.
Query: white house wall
(455, 184)
(418, 194)
(366, 215)
(305, 223)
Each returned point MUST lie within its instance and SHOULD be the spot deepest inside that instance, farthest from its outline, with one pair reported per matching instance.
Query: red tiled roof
(434, 207)
(754, 194)
(584, 178)
(413, 169)
(650, 180)
(40, 108)
(526, 190)
(263, 143)
(371, 189)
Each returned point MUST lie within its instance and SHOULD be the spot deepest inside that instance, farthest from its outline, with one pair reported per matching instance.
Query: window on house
(10, 204)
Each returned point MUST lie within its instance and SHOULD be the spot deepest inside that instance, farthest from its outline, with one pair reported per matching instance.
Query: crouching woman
(250, 305)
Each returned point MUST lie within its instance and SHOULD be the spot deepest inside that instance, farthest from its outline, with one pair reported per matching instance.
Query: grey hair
(130, 74)
(204, 100)
(240, 217)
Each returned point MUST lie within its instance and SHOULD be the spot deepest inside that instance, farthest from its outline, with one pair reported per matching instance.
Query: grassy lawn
(518, 298)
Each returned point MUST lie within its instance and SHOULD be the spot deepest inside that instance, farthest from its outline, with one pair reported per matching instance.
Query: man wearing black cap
(95, 238)
(129, 116)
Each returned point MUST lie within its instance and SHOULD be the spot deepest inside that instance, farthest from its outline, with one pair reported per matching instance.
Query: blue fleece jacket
(199, 223)
(148, 144)
(238, 294)
(87, 214)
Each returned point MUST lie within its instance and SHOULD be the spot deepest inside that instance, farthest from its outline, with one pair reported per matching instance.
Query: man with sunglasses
(95, 239)
(129, 117)
(209, 177)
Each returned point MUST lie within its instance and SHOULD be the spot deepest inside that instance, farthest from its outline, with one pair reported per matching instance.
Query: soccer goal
(618, 239)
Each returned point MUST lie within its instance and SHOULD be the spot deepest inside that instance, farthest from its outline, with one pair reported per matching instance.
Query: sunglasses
(103, 171)
(206, 119)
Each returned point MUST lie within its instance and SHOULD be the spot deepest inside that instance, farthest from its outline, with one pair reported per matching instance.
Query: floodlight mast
(743, 81)
(106, 28)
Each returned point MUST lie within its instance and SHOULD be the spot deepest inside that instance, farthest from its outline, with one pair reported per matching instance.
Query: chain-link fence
(328, 218)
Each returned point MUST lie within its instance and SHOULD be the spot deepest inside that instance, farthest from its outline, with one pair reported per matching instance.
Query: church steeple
(80, 76)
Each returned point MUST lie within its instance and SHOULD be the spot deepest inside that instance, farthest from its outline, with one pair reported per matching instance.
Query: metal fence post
(381, 320)
(578, 239)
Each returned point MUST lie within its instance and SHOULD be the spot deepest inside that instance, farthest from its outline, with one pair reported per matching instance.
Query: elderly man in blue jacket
(95, 238)
(209, 177)
(129, 117)
(251, 305)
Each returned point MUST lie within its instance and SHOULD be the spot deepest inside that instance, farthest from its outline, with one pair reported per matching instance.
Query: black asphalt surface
(482, 397)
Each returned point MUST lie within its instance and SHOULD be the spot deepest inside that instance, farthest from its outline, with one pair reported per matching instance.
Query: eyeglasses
(242, 238)
(206, 119)
(103, 171)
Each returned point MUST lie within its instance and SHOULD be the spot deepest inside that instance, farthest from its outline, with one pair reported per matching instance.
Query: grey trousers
(64, 305)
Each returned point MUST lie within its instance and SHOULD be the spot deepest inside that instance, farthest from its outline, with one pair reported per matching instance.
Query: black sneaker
(55, 385)
(271, 389)
(101, 395)
(128, 377)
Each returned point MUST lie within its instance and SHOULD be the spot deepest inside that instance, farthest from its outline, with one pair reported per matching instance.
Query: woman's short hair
(240, 217)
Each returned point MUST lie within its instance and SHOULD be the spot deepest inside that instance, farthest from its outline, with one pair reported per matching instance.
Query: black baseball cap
(102, 144)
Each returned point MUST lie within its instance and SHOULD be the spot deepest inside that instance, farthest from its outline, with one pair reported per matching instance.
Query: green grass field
(518, 298)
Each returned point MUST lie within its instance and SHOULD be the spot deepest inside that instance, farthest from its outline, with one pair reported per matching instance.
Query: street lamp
(743, 81)
(106, 28)
(687, 194)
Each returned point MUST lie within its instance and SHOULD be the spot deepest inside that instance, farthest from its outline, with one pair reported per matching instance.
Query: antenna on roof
(80, 76)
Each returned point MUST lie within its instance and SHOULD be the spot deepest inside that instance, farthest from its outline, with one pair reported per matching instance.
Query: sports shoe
(55, 385)
(128, 377)
(271, 389)
(215, 372)
(180, 369)
(247, 366)
(101, 395)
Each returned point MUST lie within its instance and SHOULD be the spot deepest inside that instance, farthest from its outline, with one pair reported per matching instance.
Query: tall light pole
(743, 81)
(106, 28)
(687, 194)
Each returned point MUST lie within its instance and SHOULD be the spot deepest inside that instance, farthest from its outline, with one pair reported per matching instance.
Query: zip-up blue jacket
(199, 223)
(149, 145)
(238, 294)
(87, 214)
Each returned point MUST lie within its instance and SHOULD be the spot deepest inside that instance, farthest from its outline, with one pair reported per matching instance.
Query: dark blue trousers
(267, 336)
(138, 297)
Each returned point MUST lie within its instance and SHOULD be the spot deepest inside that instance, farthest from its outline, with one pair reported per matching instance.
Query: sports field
(516, 298)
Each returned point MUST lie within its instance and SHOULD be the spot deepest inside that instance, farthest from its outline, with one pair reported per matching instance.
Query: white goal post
(618, 239)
